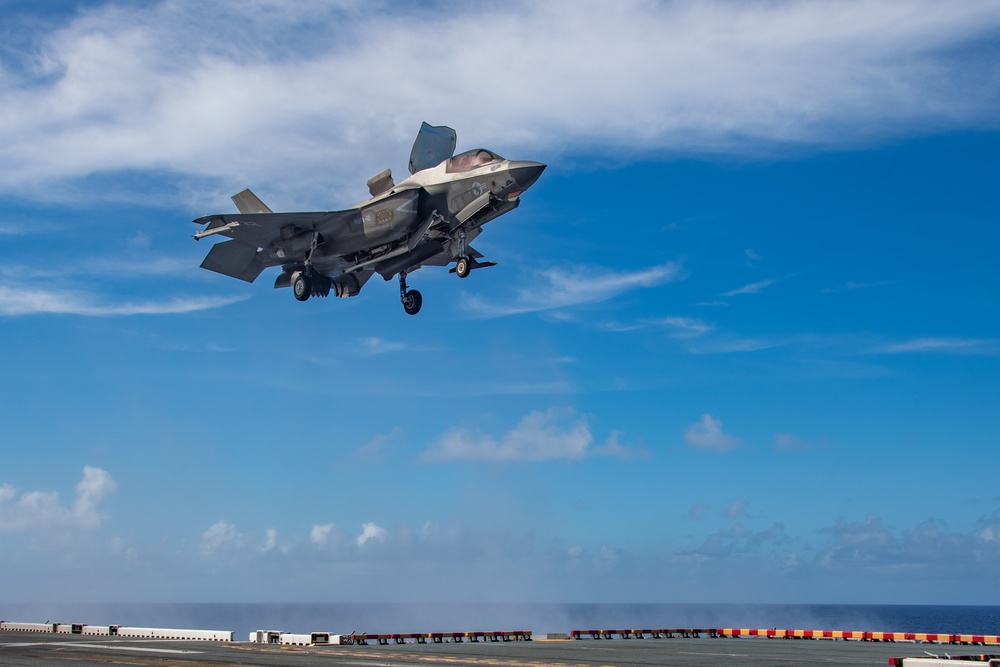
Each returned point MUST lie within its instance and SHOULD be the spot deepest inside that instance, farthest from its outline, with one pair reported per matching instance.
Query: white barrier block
(28, 627)
(265, 636)
(172, 633)
(289, 639)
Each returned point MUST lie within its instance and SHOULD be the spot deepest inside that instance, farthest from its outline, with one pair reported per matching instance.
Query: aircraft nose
(526, 172)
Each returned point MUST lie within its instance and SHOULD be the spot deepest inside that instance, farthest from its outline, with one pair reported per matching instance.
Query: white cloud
(736, 509)
(373, 346)
(270, 539)
(369, 532)
(320, 534)
(540, 436)
(956, 345)
(784, 442)
(572, 286)
(684, 327)
(220, 536)
(15, 301)
(751, 288)
(116, 79)
(41, 511)
(707, 434)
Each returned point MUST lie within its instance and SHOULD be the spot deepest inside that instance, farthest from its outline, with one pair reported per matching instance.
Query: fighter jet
(428, 219)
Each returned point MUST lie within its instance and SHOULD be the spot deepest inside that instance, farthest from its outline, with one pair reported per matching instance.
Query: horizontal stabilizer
(235, 259)
(247, 202)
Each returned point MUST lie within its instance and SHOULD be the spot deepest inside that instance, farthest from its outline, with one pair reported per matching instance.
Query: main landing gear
(410, 298)
(302, 286)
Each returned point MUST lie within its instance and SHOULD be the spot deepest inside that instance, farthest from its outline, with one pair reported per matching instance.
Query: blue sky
(742, 343)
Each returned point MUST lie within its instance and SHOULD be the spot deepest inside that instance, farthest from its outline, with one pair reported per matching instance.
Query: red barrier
(856, 635)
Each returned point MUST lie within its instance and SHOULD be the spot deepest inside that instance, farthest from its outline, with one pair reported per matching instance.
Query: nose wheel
(410, 298)
(463, 267)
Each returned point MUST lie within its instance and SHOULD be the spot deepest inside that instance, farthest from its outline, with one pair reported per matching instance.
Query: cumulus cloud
(736, 509)
(113, 80)
(371, 532)
(220, 536)
(320, 534)
(540, 436)
(17, 301)
(572, 286)
(707, 434)
(42, 511)
(735, 541)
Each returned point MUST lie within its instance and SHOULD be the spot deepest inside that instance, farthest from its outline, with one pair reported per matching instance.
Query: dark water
(539, 618)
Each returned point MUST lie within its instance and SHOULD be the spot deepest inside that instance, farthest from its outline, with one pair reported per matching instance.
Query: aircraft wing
(259, 229)
(243, 256)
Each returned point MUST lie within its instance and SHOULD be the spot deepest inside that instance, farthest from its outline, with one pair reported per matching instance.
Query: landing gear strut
(302, 286)
(411, 298)
(463, 266)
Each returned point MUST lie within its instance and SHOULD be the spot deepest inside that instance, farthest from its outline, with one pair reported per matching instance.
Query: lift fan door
(434, 145)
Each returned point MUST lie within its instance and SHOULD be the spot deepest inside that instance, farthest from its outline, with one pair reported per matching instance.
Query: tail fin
(247, 202)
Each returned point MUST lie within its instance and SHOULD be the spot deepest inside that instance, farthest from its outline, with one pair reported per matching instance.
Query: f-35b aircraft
(428, 219)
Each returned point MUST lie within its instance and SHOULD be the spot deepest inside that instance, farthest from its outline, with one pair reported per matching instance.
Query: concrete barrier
(28, 627)
(173, 633)
(771, 633)
(265, 637)
(441, 637)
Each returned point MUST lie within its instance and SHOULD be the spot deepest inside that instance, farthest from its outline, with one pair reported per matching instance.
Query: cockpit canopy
(471, 159)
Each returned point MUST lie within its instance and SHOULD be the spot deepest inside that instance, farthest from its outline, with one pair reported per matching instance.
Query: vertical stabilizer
(247, 202)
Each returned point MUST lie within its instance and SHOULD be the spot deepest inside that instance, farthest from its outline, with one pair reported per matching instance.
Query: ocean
(344, 618)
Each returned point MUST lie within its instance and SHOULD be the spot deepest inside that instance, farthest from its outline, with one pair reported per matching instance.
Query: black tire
(463, 267)
(412, 302)
(302, 287)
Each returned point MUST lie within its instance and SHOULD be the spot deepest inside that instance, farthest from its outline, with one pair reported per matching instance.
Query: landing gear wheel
(302, 287)
(463, 267)
(412, 301)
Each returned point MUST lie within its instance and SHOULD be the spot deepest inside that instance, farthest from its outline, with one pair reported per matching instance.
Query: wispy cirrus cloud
(696, 335)
(17, 301)
(751, 288)
(852, 286)
(117, 78)
(572, 286)
(987, 346)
